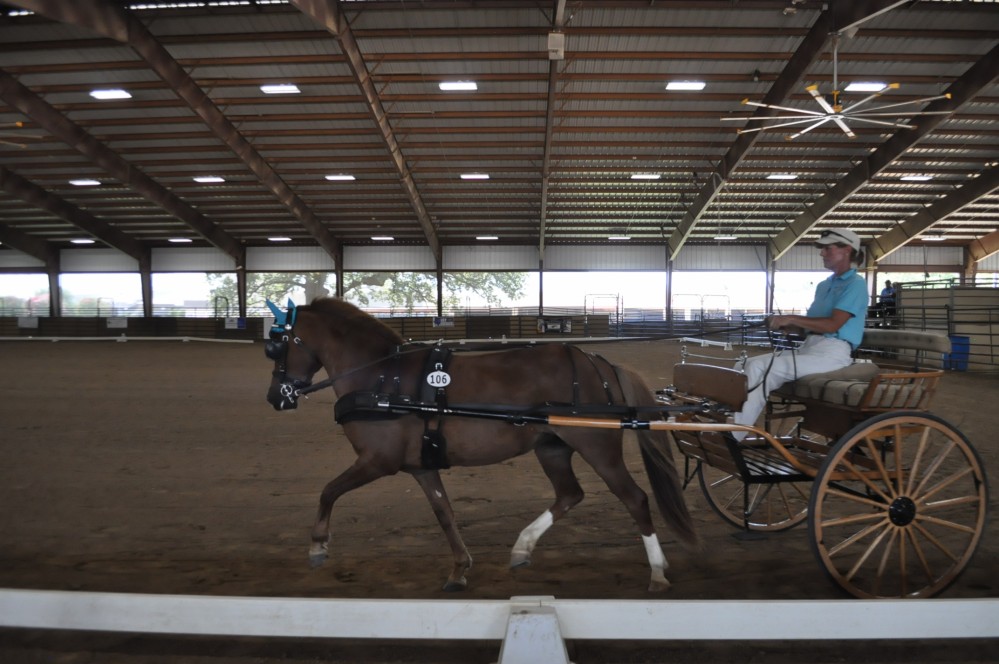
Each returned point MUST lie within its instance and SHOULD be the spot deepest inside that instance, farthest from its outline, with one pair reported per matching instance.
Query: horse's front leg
(430, 482)
(360, 473)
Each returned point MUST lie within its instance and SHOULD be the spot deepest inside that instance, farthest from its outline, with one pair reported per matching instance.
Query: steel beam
(329, 15)
(29, 192)
(983, 247)
(898, 236)
(114, 22)
(558, 23)
(30, 104)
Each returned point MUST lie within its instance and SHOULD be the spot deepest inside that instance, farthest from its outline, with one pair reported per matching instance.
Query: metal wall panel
(15, 259)
(925, 256)
(801, 259)
(282, 259)
(989, 263)
(362, 259)
(96, 260)
(195, 259)
(716, 258)
(596, 258)
(490, 258)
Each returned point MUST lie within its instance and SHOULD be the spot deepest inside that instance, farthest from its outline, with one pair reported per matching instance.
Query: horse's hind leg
(606, 459)
(556, 460)
(430, 482)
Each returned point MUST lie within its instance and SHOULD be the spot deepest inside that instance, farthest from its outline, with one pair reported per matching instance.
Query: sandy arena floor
(158, 467)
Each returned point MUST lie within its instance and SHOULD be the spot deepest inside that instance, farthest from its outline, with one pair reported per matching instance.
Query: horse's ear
(279, 316)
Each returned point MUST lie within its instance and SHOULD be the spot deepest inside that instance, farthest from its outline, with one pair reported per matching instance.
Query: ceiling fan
(8, 137)
(833, 110)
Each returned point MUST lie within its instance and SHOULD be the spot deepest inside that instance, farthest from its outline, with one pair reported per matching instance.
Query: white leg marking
(529, 536)
(438, 494)
(657, 562)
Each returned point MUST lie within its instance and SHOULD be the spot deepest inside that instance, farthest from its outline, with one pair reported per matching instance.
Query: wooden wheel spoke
(866, 480)
(923, 563)
(972, 499)
(935, 541)
(959, 527)
(933, 467)
(893, 538)
(924, 439)
(885, 529)
(875, 456)
(857, 498)
(944, 483)
(857, 537)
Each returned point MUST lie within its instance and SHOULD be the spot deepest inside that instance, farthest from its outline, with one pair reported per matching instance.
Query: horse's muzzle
(283, 396)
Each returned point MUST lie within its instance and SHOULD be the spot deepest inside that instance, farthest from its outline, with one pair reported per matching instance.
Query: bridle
(282, 333)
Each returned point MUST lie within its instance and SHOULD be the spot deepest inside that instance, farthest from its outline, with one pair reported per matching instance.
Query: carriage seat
(865, 385)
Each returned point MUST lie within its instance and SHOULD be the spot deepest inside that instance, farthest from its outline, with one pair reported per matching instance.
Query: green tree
(406, 291)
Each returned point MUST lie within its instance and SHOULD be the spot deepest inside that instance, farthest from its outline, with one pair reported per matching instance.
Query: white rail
(528, 627)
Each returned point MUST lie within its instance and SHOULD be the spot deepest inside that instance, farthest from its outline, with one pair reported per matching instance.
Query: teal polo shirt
(846, 292)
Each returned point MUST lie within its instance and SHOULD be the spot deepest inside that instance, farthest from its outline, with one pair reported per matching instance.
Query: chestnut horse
(362, 356)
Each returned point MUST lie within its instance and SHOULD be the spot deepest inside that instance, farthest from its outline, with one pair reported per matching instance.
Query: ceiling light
(619, 237)
(179, 240)
(382, 238)
(458, 86)
(689, 86)
(82, 241)
(932, 238)
(475, 176)
(341, 177)
(280, 89)
(110, 93)
(486, 237)
(916, 178)
(279, 239)
(725, 237)
(645, 176)
(782, 176)
(865, 86)
(85, 182)
(208, 179)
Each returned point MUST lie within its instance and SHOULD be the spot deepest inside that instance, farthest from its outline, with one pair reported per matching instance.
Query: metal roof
(560, 135)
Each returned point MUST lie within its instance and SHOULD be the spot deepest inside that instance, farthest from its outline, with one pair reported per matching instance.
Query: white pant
(817, 354)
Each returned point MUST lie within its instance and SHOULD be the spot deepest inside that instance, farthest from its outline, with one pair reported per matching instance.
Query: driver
(834, 324)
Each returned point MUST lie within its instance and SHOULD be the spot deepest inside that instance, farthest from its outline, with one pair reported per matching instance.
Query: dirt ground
(158, 467)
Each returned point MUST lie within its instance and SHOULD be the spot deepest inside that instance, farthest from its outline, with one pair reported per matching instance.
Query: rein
(421, 346)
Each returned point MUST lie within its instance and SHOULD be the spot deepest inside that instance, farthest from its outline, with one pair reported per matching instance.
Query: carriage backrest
(920, 342)
(725, 386)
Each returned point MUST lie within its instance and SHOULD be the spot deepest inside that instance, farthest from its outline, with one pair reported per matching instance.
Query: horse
(369, 366)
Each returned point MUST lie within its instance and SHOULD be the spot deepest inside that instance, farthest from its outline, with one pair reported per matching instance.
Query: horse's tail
(658, 458)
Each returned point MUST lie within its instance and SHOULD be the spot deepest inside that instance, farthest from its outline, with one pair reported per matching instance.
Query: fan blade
(913, 101)
(872, 114)
(882, 123)
(814, 91)
(807, 129)
(802, 111)
(842, 125)
(782, 124)
(776, 117)
(851, 107)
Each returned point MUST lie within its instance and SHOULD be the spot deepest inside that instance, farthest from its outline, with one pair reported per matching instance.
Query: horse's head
(294, 361)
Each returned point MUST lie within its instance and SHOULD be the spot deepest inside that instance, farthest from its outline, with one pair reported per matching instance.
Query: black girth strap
(433, 452)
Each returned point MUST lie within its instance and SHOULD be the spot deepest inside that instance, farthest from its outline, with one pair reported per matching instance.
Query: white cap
(839, 236)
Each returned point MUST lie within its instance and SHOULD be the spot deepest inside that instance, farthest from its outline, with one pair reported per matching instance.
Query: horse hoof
(520, 560)
(316, 561)
(455, 586)
(659, 586)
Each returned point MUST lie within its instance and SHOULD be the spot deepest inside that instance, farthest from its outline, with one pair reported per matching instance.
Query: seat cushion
(845, 386)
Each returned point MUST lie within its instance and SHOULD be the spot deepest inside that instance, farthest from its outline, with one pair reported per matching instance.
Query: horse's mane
(345, 315)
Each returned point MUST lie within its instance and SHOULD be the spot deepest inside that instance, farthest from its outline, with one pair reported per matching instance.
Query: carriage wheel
(772, 507)
(898, 507)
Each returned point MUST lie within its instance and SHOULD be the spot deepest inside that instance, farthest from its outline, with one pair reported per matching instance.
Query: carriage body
(894, 498)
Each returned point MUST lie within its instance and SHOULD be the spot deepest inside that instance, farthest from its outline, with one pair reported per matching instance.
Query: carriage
(894, 497)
